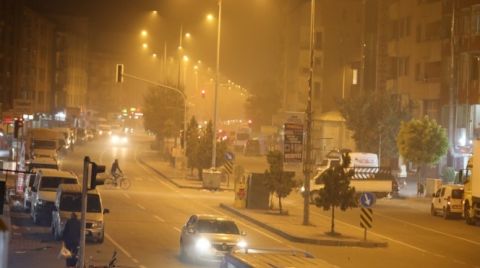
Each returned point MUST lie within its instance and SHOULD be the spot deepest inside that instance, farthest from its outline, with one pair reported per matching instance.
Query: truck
(471, 181)
(368, 176)
(42, 142)
(241, 138)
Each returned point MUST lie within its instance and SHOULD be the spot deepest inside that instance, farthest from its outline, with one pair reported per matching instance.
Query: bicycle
(111, 264)
(121, 181)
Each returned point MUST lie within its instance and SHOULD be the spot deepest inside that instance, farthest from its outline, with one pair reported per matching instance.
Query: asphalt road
(145, 221)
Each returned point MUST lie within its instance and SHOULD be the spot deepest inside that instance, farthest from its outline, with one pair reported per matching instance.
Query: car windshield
(218, 227)
(51, 183)
(44, 144)
(72, 202)
(457, 193)
(42, 165)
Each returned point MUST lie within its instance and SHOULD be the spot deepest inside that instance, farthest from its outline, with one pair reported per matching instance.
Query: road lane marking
(158, 218)
(127, 195)
(117, 245)
(176, 229)
(142, 266)
(135, 260)
(439, 255)
(428, 229)
(376, 234)
(141, 207)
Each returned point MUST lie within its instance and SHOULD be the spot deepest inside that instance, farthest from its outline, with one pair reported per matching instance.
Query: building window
(354, 76)
(418, 71)
(403, 66)
(433, 70)
(476, 20)
(433, 30)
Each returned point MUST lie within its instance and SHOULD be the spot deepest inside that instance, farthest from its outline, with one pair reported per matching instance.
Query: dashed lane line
(176, 229)
(158, 218)
(124, 251)
(428, 229)
(135, 260)
(141, 207)
(127, 195)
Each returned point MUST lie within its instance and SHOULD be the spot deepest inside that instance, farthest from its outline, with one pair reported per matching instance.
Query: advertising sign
(293, 142)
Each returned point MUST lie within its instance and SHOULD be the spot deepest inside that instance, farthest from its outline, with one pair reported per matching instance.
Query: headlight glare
(203, 244)
(242, 244)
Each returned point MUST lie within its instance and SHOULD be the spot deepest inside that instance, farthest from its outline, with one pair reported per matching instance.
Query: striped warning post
(366, 218)
(228, 166)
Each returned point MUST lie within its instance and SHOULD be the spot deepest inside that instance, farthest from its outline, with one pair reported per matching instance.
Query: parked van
(32, 166)
(44, 191)
(68, 200)
(448, 200)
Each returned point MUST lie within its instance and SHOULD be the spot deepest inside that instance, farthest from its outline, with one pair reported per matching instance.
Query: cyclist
(115, 171)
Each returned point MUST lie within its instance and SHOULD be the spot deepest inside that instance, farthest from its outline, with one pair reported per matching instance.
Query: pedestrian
(420, 189)
(71, 238)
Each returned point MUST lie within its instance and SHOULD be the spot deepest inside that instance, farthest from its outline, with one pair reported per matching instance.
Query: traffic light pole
(83, 220)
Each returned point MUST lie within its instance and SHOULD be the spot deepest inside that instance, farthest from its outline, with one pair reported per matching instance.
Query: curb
(298, 239)
(172, 181)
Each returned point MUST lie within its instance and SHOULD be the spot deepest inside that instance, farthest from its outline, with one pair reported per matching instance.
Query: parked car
(209, 236)
(448, 200)
(44, 191)
(68, 200)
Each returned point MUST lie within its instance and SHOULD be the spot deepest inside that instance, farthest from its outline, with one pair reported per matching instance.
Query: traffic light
(96, 169)
(119, 73)
(203, 93)
(17, 124)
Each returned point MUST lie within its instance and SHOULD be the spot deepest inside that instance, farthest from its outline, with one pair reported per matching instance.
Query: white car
(209, 237)
(447, 200)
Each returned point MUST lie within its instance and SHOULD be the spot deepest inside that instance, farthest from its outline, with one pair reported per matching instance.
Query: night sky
(250, 32)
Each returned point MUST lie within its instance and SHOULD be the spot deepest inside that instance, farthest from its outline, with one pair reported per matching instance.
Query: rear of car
(448, 201)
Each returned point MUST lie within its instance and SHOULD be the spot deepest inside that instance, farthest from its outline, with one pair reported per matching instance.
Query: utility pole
(451, 92)
(308, 148)
(83, 219)
(215, 96)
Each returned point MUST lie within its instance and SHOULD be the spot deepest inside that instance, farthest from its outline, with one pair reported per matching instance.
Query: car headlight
(203, 244)
(242, 244)
(114, 139)
(100, 132)
(97, 224)
(124, 140)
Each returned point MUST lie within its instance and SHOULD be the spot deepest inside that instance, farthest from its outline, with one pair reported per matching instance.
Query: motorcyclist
(115, 171)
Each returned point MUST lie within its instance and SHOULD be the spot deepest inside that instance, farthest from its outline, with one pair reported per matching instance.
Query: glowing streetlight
(145, 45)
(154, 12)
(185, 58)
(188, 35)
(144, 33)
(154, 55)
(195, 67)
(210, 17)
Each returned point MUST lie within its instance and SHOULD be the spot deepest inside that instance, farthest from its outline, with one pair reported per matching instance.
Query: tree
(422, 142)
(337, 191)
(278, 181)
(263, 103)
(375, 121)
(193, 142)
(163, 113)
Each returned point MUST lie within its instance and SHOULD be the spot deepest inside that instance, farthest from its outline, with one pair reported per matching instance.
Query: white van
(44, 191)
(68, 200)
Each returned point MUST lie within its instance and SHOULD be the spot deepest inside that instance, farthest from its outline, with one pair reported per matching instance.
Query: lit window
(355, 77)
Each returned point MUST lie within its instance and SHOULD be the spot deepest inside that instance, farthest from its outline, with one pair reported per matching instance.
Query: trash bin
(211, 179)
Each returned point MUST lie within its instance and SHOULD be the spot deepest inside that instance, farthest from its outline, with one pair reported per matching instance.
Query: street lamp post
(215, 94)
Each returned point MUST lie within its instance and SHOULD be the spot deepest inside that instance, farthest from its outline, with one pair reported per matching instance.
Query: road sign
(229, 156)
(367, 200)
(228, 166)
(366, 218)
(293, 142)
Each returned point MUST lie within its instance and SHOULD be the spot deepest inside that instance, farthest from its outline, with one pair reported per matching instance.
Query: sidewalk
(181, 178)
(287, 226)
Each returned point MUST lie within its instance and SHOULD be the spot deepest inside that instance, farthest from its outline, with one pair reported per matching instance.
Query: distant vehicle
(104, 130)
(209, 237)
(44, 190)
(448, 200)
(252, 147)
(241, 137)
(471, 182)
(119, 140)
(81, 135)
(90, 134)
(368, 176)
(38, 163)
(248, 258)
(68, 200)
(66, 139)
(41, 163)
(42, 142)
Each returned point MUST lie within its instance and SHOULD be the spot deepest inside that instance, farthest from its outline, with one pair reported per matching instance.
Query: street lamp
(217, 76)
(144, 33)
(145, 45)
